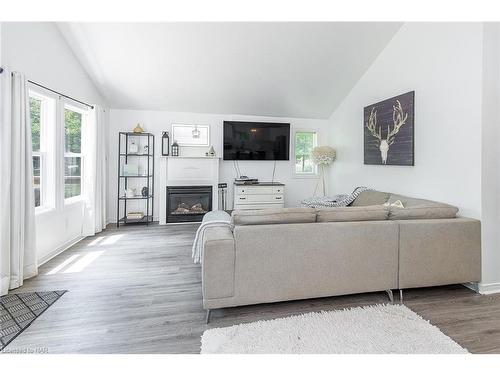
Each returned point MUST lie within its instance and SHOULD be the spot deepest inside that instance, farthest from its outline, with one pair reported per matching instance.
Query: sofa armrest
(439, 252)
(218, 263)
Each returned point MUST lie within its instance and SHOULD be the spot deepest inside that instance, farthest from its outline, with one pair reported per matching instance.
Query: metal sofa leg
(391, 296)
(207, 318)
(400, 295)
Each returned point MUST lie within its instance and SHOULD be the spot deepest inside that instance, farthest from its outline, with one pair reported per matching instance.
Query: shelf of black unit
(145, 219)
(143, 155)
(148, 176)
(137, 197)
(136, 134)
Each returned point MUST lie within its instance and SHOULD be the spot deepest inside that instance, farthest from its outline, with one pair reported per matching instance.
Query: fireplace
(188, 203)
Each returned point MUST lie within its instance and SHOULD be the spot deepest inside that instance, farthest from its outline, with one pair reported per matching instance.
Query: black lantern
(165, 144)
(175, 149)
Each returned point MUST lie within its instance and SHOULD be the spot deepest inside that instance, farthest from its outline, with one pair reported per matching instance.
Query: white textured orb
(323, 155)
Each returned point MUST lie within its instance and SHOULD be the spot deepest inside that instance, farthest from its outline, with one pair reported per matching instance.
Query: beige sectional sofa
(372, 245)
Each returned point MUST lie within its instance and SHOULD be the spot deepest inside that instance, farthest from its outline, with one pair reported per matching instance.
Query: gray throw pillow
(371, 198)
(416, 208)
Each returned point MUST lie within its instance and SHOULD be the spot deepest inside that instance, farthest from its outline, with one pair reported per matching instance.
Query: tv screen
(256, 140)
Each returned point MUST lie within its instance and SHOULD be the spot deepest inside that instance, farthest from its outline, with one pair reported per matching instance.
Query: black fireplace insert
(188, 203)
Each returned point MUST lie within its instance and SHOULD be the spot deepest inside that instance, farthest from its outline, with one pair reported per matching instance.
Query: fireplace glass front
(188, 203)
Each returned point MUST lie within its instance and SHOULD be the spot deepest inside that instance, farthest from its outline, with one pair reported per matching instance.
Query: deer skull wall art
(389, 140)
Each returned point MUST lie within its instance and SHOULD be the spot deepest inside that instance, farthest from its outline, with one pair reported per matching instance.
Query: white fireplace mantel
(187, 171)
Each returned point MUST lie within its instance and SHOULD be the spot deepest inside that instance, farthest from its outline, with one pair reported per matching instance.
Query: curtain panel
(18, 259)
(95, 175)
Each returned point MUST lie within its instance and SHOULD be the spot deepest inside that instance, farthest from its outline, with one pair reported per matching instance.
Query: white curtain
(95, 172)
(18, 259)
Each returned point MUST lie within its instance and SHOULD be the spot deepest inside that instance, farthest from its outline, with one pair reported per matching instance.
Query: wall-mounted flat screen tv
(256, 140)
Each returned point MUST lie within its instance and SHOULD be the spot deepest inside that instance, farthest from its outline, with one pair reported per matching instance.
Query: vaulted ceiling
(269, 69)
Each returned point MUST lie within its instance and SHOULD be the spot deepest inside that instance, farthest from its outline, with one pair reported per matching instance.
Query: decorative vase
(130, 193)
(138, 129)
(211, 151)
(133, 148)
(145, 191)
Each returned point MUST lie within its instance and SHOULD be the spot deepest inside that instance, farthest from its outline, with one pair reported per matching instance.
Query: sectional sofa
(381, 242)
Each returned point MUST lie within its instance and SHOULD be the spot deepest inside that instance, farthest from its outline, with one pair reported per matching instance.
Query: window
(38, 162)
(56, 126)
(73, 119)
(305, 141)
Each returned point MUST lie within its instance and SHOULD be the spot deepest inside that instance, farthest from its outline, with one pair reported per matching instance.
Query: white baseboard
(59, 250)
(481, 288)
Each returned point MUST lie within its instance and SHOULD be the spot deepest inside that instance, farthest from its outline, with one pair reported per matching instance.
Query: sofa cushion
(415, 208)
(370, 198)
(274, 216)
(364, 213)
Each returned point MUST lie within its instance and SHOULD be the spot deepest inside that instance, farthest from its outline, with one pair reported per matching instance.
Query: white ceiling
(268, 69)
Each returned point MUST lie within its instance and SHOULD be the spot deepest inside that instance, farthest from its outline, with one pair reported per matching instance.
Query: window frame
(69, 105)
(42, 152)
(315, 173)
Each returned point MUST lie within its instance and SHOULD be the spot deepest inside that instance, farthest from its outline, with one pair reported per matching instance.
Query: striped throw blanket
(340, 200)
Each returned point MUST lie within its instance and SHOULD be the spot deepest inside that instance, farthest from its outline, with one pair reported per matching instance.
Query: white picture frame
(183, 134)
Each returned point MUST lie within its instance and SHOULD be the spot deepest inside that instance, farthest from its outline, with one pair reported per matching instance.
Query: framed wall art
(389, 131)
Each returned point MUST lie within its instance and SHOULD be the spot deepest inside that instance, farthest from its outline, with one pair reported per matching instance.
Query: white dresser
(258, 196)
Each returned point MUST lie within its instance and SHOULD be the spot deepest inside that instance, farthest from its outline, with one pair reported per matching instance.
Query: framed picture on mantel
(191, 135)
(389, 131)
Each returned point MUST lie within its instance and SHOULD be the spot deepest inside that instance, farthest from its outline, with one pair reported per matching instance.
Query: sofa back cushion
(361, 213)
(415, 208)
(370, 198)
(274, 216)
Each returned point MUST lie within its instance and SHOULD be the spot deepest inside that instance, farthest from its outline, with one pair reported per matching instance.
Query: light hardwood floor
(141, 293)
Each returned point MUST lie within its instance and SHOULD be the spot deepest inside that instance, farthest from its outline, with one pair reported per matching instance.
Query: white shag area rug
(362, 330)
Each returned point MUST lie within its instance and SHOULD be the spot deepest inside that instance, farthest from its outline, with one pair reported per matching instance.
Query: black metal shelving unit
(123, 180)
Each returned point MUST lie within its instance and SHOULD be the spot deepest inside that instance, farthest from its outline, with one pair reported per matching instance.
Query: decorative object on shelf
(133, 148)
(322, 156)
(211, 152)
(130, 170)
(145, 191)
(138, 129)
(145, 150)
(396, 146)
(165, 144)
(130, 192)
(135, 215)
(191, 135)
(175, 149)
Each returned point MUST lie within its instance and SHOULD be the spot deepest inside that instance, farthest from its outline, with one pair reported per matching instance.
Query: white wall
(454, 72)
(442, 63)
(158, 121)
(40, 51)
